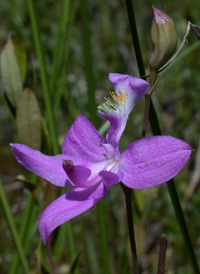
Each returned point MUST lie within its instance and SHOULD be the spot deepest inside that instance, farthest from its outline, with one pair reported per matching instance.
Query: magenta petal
(48, 167)
(83, 141)
(79, 175)
(68, 206)
(153, 160)
(109, 178)
(127, 91)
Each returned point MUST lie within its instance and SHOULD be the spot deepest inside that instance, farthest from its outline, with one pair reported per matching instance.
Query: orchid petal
(79, 175)
(128, 90)
(153, 160)
(83, 141)
(48, 167)
(109, 178)
(68, 206)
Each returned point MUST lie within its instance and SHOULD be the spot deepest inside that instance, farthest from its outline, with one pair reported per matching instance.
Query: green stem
(27, 222)
(135, 38)
(48, 105)
(128, 198)
(13, 229)
(43, 75)
(103, 236)
(88, 62)
(66, 53)
(146, 114)
(60, 43)
(156, 131)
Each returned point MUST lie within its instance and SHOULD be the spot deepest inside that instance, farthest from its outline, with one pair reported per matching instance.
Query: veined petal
(109, 178)
(48, 167)
(78, 175)
(128, 90)
(83, 141)
(153, 160)
(68, 206)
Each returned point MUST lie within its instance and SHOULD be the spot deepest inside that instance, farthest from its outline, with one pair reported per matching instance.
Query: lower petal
(48, 167)
(109, 178)
(68, 206)
(153, 160)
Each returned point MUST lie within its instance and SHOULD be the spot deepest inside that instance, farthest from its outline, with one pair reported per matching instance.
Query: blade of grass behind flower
(43, 75)
(156, 131)
(91, 250)
(28, 220)
(61, 86)
(60, 43)
(88, 62)
(93, 118)
(48, 104)
(65, 232)
(13, 229)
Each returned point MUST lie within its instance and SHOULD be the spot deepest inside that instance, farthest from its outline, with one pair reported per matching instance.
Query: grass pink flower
(92, 164)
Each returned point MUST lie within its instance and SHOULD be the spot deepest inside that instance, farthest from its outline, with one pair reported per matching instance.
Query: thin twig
(162, 253)
(128, 198)
(52, 265)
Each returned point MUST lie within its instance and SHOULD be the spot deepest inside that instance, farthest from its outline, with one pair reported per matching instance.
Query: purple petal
(109, 178)
(48, 167)
(83, 141)
(79, 175)
(153, 160)
(68, 206)
(128, 90)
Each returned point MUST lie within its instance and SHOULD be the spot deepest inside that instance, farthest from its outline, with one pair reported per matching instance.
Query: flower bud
(196, 30)
(164, 39)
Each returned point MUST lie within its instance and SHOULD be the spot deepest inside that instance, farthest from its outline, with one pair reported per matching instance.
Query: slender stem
(52, 265)
(43, 75)
(60, 42)
(66, 53)
(162, 254)
(157, 131)
(128, 199)
(146, 114)
(25, 230)
(88, 62)
(183, 226)
(50, 189)
(103, 236)
(13, 229)
(136, 43)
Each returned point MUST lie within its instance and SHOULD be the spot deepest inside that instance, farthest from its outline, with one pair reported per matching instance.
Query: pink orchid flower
(92, 164)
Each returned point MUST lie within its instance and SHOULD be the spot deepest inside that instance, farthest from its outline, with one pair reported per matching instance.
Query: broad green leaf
(20, 55)
(10, 73)
(29, 120)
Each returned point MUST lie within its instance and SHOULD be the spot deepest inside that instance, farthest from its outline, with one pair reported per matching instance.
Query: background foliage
(177, 102)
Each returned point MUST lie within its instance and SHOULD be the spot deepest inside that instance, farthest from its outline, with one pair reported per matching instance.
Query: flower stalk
(128, 198)
(157, 131)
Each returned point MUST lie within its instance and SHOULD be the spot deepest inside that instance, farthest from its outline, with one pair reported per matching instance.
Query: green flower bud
(164, 39)
(196, 30)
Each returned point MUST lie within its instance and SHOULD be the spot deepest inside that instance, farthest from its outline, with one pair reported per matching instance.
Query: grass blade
(13, 229)
(156, 131)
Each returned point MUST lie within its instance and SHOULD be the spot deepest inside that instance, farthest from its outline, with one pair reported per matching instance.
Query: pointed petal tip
(43, 233)
(69, 205)
(128, 81)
